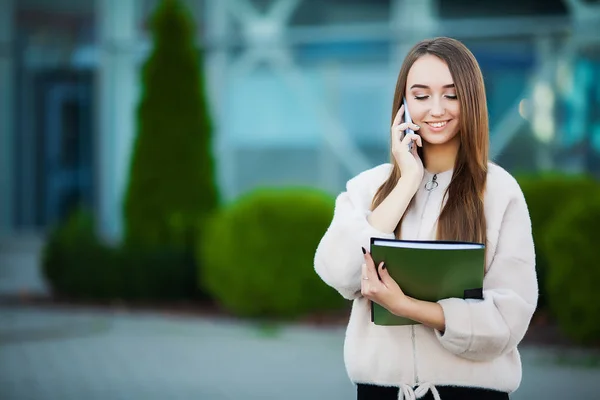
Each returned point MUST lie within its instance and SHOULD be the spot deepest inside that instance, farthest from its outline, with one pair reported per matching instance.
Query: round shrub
(546, 196)
(71, 257)
(571, 244)
(257, 254)
(78, 266)
(157, 274)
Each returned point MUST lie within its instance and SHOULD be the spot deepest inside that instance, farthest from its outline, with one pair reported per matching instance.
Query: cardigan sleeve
(338, 259)
(485, 329)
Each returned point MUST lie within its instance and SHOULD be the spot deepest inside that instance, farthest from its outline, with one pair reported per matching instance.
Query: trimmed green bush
(171, 186)
(79, 267)
(258, 258)
(76, 264)
(157, 274)
(571, 244)
(170, 191)
(546, 196)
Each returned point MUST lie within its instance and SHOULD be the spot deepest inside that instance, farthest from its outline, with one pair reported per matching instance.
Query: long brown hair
(462, 217)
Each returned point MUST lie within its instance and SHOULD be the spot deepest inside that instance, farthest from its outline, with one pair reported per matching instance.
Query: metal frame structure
(263, 35)
(268, 38)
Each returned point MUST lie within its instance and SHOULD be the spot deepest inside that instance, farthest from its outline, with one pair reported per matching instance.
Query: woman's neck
(440, 157)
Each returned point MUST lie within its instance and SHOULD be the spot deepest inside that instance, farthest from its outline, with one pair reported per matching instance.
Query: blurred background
(167, 169)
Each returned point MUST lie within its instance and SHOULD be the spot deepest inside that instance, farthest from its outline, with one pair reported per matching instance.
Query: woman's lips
(437, 126)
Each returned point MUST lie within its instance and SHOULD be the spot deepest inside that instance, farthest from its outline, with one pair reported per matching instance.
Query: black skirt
(372, 392)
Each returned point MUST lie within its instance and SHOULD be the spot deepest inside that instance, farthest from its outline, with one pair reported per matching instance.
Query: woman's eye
(448, 96)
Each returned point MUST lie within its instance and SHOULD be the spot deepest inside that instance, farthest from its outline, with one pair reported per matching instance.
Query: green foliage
(171, 187)
(258, 257)
(78, 266)
(170, 190)
(571, 244)
(71, 256)
(546, 196)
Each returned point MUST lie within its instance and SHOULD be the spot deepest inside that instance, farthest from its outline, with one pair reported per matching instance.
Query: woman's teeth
(438, 124)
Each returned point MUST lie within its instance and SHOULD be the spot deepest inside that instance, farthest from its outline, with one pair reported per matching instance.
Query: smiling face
(448, 125)
(432, 102)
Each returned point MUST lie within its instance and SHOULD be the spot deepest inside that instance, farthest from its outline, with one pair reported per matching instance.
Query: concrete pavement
(52, 354)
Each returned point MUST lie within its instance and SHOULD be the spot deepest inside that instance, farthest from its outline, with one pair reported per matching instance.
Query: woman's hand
(387, 293)
(411, 165)
(384, 291)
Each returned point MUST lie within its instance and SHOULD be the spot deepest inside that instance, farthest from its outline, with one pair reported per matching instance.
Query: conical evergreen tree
(171, 183)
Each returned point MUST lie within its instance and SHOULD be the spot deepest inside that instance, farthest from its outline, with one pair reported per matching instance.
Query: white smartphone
(409, 120)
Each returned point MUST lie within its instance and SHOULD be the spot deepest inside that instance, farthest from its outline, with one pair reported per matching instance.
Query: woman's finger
(404, 126)
(419, 140)
(399, 116)
(412, 138)
(365, 287)
(414, 151)
(371, 273)
(419, 143)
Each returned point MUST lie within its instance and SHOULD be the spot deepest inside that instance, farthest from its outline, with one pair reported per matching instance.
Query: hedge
(78, 266)
(571, 245)
(258, 258)
(547, 195)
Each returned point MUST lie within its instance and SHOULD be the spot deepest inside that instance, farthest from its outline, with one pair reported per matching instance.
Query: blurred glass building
(300, 91)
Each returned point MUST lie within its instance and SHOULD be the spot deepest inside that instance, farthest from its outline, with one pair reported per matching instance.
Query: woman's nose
(437, 109)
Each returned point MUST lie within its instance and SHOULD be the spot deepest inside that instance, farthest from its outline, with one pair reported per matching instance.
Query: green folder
(430, 271)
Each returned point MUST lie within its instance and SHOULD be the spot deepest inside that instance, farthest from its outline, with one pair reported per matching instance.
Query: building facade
(300, 91)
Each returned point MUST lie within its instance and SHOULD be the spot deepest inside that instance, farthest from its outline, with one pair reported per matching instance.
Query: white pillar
(6, 115)
(217, 24)
(411, 21)
(117, 98)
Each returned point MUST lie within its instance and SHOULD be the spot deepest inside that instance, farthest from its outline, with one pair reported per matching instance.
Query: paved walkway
(20, 272)
(52, 354)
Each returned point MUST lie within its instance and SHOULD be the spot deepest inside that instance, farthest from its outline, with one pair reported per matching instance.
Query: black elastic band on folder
(476, 293)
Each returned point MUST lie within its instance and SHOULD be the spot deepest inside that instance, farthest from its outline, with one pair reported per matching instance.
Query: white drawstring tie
(406, 392)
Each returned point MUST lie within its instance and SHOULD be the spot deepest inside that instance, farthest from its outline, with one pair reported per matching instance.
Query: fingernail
(418, 126)
(364, 251)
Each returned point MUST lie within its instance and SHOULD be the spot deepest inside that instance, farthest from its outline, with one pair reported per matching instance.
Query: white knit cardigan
(479, 345)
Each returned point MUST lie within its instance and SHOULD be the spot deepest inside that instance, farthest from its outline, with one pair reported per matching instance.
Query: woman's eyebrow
(418, 85)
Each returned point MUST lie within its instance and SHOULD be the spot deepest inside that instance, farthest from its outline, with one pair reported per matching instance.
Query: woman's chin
(437, 139)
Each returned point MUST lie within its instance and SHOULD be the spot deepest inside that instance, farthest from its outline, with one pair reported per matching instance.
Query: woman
(444, 188)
